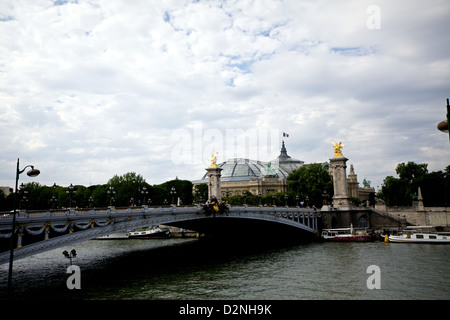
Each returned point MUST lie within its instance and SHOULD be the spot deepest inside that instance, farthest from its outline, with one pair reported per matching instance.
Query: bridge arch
(72, 226)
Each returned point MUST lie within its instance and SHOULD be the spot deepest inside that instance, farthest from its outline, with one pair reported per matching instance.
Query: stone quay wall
(387, 217)
(419, 215)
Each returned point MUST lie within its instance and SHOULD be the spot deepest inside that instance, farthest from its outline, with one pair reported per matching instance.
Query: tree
(402, 191)
(434, 189)
(127, 188)
(411, 172)
(395, 192)
(182, 189)
(311, 183)
(200, 193)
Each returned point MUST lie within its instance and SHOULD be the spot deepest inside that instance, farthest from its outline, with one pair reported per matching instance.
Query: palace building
(258, 177)
(263, 178)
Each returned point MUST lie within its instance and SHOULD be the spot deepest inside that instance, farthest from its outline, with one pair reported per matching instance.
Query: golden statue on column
(337, 149)
(213, 160)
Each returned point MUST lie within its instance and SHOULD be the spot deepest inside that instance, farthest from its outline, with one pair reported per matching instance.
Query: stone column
(352, 183)
(337, 167)
(214, 188)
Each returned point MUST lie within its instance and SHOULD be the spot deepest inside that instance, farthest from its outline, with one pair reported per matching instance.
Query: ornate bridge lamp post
(111, 193)
(31, 173)
(133, 204)
(23, 199)
(173, 193)
(144, 193)
(53, 200)
(197, 195)
(71, 192)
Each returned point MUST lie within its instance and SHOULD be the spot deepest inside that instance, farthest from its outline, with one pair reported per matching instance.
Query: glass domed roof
(240, 169)
(245, 169)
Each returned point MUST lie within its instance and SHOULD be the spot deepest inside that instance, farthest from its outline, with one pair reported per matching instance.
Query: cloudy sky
(90, 89)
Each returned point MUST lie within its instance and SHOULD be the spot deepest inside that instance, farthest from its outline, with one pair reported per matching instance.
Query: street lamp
(70, 255)
(70, 192)
(444, 126)
(144, 192)
(197, 195)
(111, 193)
(31, 173)
(173, 192)
(23, 198)
(134, 192)
(53, 200)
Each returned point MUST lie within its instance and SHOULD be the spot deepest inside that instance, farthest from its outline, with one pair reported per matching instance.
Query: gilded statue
(213, 160)
(337, 149)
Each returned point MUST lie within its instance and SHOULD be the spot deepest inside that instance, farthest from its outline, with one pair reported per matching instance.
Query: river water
(174, 269)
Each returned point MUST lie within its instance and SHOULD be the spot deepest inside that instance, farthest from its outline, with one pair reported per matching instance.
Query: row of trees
(127, 190)
(402, 191)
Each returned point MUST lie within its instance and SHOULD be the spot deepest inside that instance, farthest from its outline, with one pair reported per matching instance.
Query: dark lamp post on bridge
(111, 193)
(173, 193)
(31, 173)
(71, 192)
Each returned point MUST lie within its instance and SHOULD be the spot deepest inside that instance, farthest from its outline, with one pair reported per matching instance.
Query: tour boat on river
(419, 234)
(150, 233)
(115, 236)
(347, 235)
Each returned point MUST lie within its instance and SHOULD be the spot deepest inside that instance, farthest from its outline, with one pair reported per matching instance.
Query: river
(191, 269)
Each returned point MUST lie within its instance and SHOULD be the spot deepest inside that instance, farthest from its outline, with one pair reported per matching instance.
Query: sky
(93, 89)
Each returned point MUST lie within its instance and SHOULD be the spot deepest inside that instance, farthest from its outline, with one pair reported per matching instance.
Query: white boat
(150, 233)
(115, 236)
(347, 235)
(420, 234)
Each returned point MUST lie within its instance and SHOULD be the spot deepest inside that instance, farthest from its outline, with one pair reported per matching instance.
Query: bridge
(39, 231)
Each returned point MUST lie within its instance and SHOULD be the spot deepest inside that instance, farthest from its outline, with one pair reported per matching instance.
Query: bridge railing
(143, 209)
(72, 214)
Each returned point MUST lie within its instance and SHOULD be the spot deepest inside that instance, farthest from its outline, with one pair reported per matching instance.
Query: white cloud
(90, 89)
